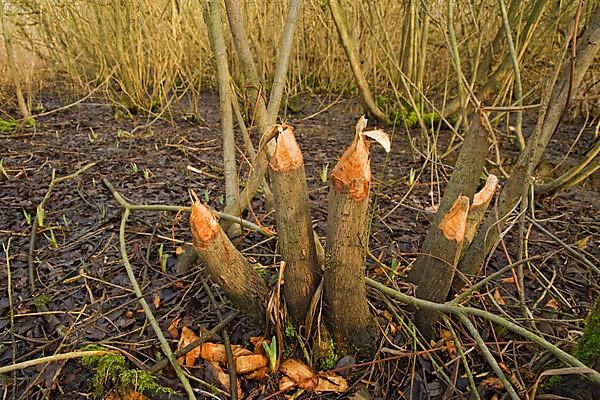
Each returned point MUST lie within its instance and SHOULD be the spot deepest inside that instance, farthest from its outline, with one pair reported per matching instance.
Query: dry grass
(149, 53)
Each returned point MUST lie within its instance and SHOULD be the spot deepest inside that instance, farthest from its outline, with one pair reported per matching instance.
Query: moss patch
(588, 347)
(111, 370)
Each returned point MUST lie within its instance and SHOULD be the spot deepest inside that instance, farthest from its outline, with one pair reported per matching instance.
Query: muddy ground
(79, 274)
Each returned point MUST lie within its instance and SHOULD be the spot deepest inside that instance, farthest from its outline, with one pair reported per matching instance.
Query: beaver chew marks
(353, 171)
(454, 223)
(204, 225)
(287, 155)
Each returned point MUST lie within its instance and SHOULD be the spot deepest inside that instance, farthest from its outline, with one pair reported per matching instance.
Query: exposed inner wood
(454, 223)
(287, 152)
(227, 267)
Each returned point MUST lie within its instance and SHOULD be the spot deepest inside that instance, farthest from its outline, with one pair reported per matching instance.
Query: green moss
(111, 370)
(290, 331)
(327, 356)
(42, 300)
(588, 347)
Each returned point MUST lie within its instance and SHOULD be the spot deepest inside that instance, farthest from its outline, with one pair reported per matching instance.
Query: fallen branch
(52, 358)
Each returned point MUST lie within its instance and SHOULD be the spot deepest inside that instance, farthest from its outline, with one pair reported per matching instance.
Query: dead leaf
(248, 363)
(286, 383)
(300, 373)
(552, 303)
(156, 300)
(330, 382)
(257, 343)
(498, 297)
(582, 243)
(493, 382)
(446, 335)
(187, 337)
(173, 328)
(218, 376)
(258, 375)
(510, 279)
(216, 352)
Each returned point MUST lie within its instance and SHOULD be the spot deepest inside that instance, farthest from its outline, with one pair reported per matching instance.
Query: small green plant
(221, 199)
(42, 300)
(123, 134)
(411, 177)
(52, 239)
(7, 125)
(111, 369)
(271, 352)
(92, 136)
(147, 174)
(134, 167)
(206, 196)
(163, 257)
(323, 173)
(290, 331)
(329, 358)
(27, 217)
(65, 221)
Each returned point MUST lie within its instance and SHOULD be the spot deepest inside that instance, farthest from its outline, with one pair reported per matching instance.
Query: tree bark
(241, 283)
(212, 16)
(347, 310)
(556, 102)
(292, 213)
(434, 269)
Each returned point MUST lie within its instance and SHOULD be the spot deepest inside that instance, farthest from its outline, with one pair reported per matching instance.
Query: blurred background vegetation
(151, 55)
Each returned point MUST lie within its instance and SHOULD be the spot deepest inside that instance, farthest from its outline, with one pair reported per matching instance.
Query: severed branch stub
(292, 213)
(434, 269)
(347, 311)
(226, 266)
(481, 201)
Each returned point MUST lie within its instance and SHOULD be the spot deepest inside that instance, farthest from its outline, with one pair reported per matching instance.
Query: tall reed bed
(415, 54)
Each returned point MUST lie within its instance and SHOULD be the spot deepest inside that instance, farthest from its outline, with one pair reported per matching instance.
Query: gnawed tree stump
(481, 201)
(292, 213)
(346, 309)
(226, 266)
(463, 182)
(434, 269)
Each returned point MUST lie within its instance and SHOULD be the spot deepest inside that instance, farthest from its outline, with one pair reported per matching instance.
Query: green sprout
(323, 173)
(27, 217)
(163, 257)
(271, 351)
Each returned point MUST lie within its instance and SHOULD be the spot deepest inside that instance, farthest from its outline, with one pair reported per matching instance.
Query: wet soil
(79, 275)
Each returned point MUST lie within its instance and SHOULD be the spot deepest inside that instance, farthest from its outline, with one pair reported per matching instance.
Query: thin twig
(140, 296)
(52, 358)
(488, 356)
(449, 308)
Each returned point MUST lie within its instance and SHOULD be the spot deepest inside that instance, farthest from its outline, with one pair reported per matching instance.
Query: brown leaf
(330, 382)
(300, 373)
(218, 376)
(156, 300)
(552, 303)
(258, 375)
(492, 382)
(187, 337)
(498, 297)
(248, 363)
(286, 383)
(510, 279)
(173, 328)
(257, 343)
(446, 335)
